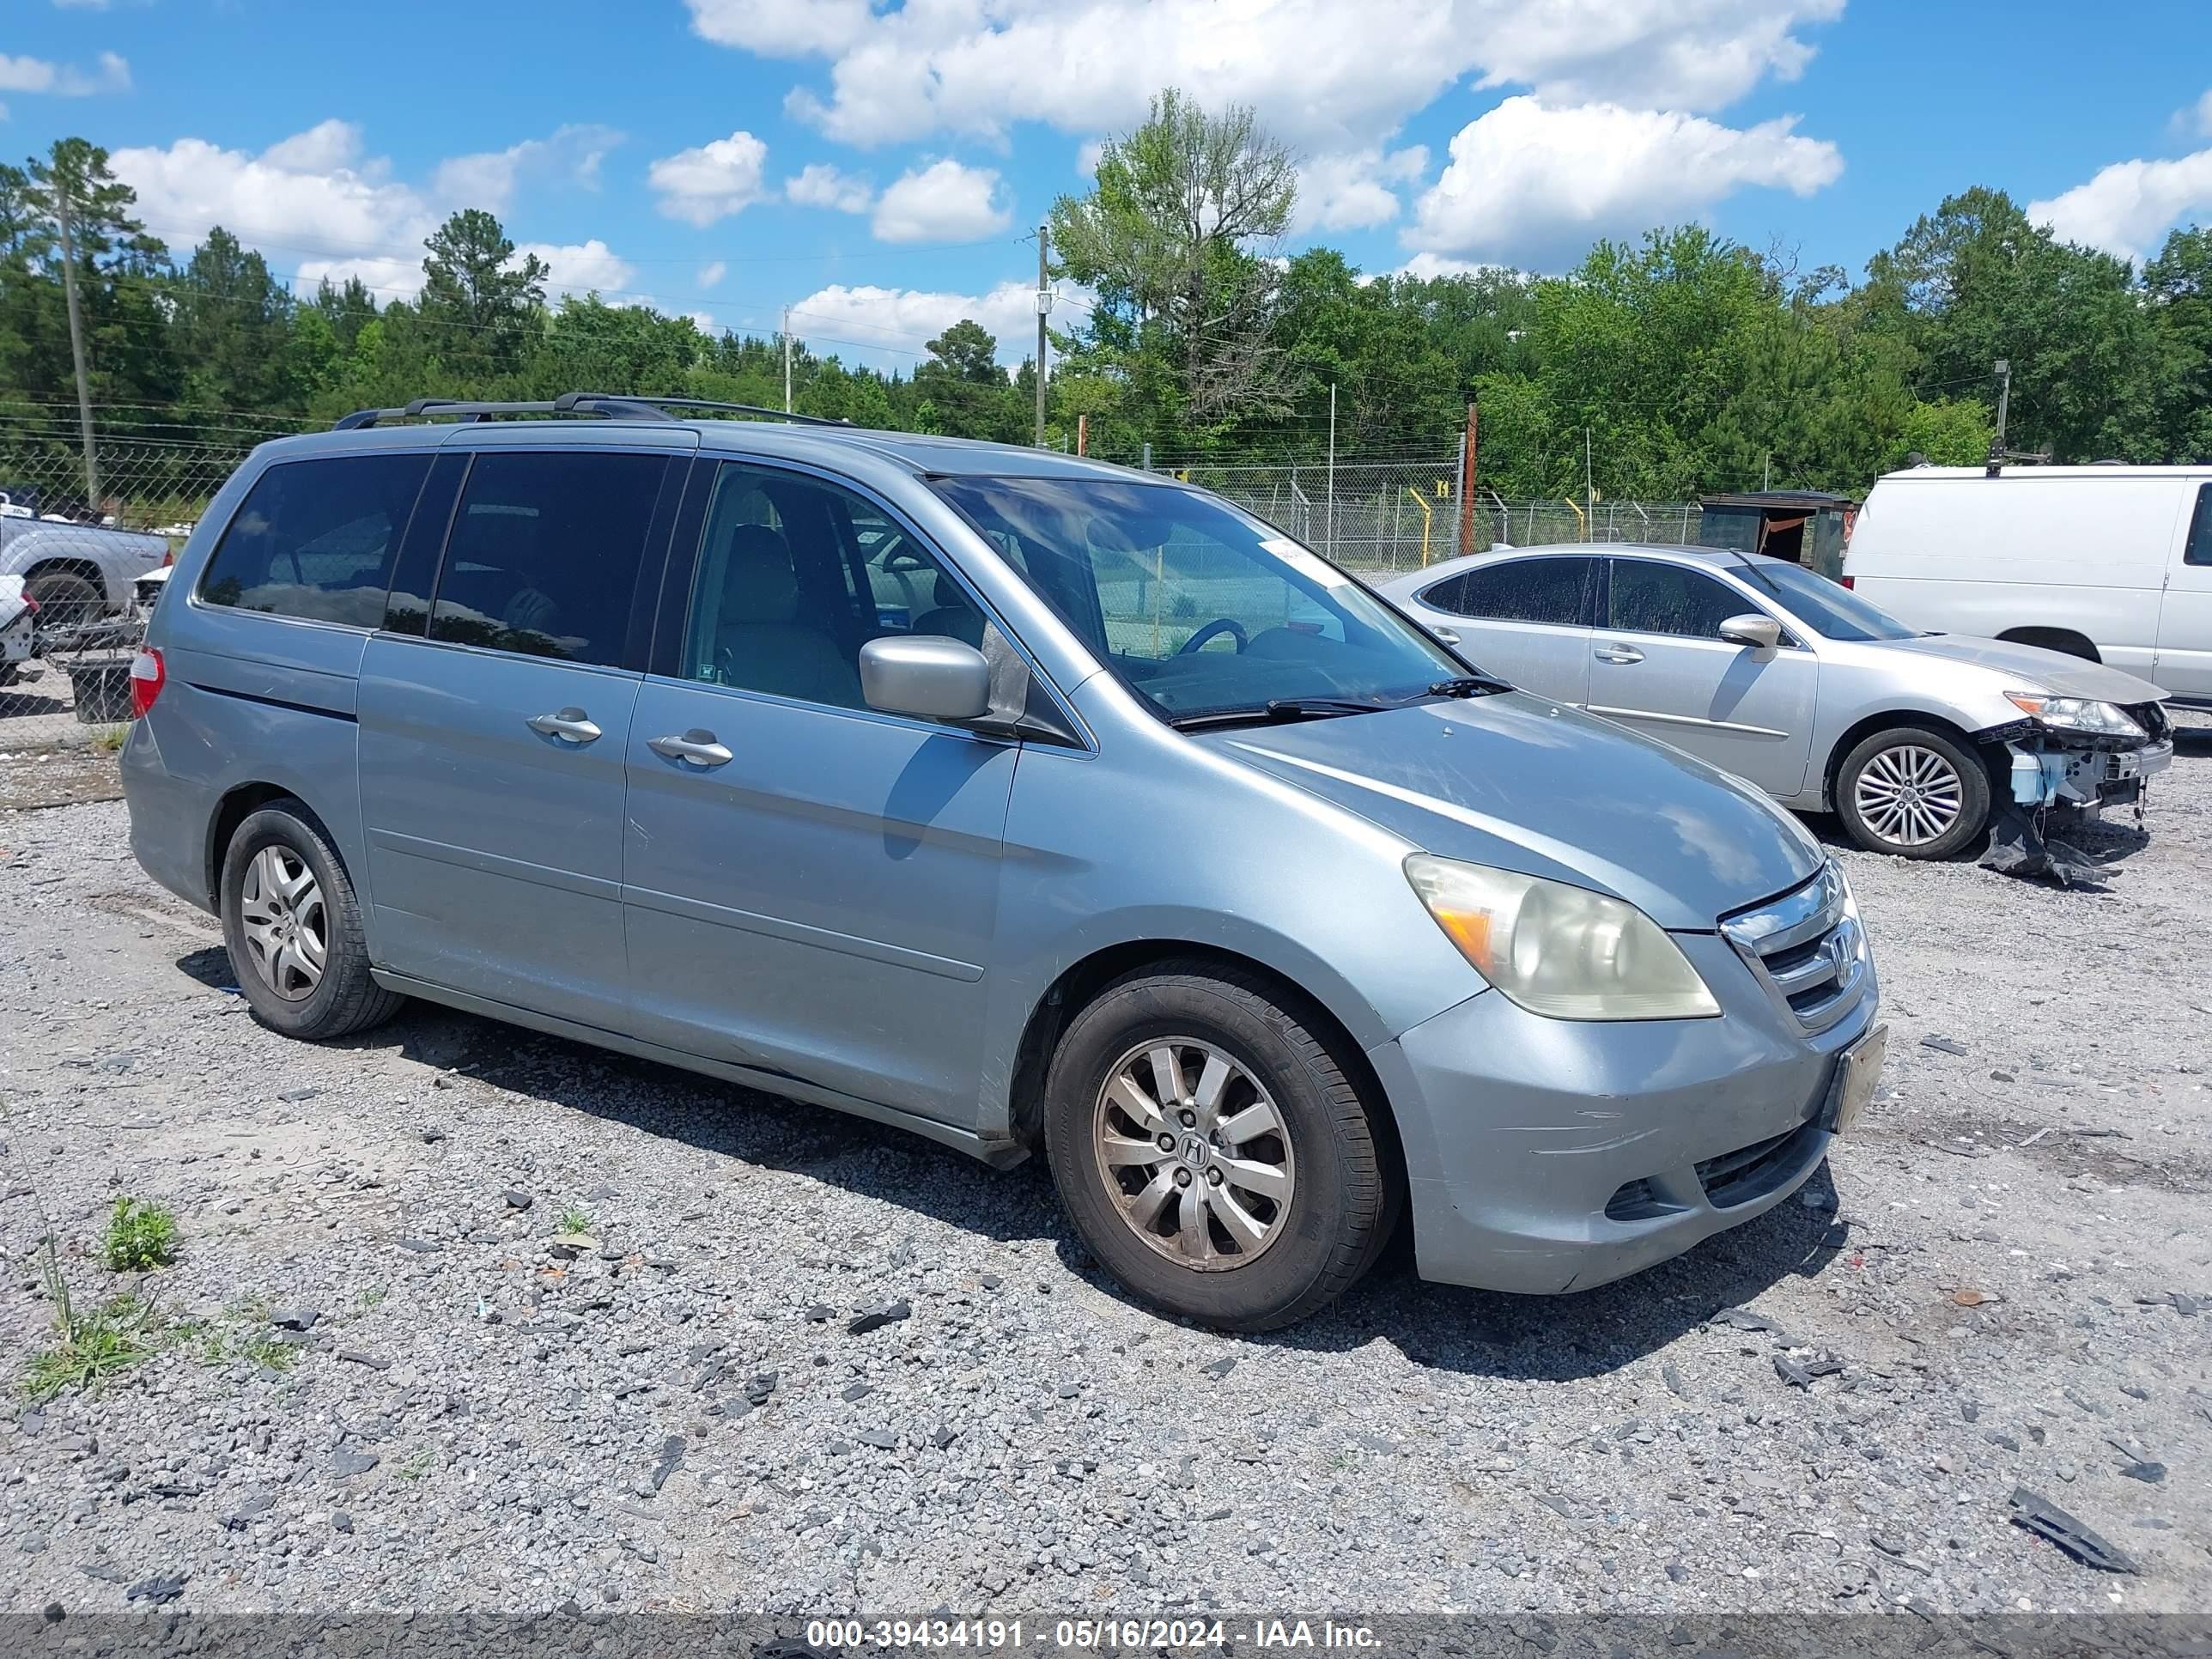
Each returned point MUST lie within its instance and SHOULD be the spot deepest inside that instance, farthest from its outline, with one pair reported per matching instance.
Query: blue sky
(879, 168)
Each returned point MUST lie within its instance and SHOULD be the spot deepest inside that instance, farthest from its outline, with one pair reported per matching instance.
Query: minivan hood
(2035, 668)
(1524, 784)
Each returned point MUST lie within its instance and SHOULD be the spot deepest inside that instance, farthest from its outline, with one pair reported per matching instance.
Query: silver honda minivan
(1021, 801)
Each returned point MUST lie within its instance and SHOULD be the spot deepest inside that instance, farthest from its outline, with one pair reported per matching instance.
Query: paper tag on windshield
(1308, 564)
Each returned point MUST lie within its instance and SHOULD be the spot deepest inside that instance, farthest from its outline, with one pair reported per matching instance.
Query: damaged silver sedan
(1922, 744)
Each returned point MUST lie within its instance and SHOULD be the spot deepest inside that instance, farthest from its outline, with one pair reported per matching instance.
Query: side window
(2199, 550)
(545, 553)
(794, 575)
(1666, 599)
(1554, 590)
(316, 538)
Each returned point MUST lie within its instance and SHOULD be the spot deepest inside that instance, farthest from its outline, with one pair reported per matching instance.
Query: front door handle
(1619, 653)
(696, 747)
(570, 726)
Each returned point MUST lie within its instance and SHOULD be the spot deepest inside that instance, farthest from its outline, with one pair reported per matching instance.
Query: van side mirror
(1760, 633)
(926, 676)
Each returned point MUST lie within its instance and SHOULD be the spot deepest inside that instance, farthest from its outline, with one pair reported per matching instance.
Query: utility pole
(76, 340)
(1331, 495)
(1467, 487)
(2004, 407)
(786, 359)
(1589, 495)
(1044, 307)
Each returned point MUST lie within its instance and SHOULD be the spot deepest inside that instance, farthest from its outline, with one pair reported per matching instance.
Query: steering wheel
(1228, 625)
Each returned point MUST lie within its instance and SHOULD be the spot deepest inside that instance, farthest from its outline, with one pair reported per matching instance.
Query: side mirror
(1760, 633)
(926, 676)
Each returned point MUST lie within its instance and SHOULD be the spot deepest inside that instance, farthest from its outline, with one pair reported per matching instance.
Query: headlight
(1559, 950)
(2104, 719)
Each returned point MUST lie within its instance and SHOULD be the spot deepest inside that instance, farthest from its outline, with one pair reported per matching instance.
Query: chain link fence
(1384, 517)
(76, 578)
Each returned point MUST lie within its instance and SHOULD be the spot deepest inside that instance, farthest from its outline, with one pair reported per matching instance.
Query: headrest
(757, 586)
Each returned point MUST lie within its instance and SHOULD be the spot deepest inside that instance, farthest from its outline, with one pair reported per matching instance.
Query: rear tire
(1247, 1230)
(65, 600)
(293, 926)
(1913, 793)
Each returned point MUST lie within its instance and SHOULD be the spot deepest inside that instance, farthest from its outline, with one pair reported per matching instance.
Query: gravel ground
(381, 1383)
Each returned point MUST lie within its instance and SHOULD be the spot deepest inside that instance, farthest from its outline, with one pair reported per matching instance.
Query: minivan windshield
(1829, 609)
(1207, 613)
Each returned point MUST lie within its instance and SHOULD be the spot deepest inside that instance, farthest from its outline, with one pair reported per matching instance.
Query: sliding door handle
(696, 747)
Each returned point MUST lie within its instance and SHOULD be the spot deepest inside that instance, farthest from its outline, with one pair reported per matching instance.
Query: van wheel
(1212, 1152)
(293, 925)
(1914, 793)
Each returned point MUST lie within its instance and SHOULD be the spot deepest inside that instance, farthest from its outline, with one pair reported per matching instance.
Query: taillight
(1851, 581)
(30, 605)
(148, 676)
(168, 558)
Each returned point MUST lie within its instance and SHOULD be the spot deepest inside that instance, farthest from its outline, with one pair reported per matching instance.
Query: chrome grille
(1807, 948)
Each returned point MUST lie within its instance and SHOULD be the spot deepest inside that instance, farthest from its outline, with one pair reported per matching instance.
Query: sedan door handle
(570, 726)
(1619, 653)
(1445, 635)
(696, 747)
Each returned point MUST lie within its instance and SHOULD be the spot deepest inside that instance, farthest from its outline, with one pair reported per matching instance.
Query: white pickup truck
(77, 572)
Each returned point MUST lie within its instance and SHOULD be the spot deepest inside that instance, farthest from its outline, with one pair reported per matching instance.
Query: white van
(2113, 563)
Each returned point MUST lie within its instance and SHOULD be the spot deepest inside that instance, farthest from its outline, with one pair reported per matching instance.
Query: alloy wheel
(1909, 795)
(281, 910)
(1195, 1154)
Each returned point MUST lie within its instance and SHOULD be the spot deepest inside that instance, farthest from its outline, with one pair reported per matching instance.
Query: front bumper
(1551, 1155)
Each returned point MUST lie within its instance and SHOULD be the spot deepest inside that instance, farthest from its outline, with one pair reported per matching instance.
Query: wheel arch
(62, 565)
(1080, 984)
(2070, 642)
(238, 803)
(1888, 718)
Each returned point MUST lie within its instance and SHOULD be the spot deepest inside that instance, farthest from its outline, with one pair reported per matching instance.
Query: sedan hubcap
(281, 912)
(1195, 1155)
(1909, 795)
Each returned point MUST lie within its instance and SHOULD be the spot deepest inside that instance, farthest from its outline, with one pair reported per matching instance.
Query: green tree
(234, 324)
(2177, 285)
(1174, 238)
(481, 307)
(969, 394)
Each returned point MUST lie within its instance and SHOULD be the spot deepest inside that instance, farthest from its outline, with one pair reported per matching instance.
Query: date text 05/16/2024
(1088, 1635)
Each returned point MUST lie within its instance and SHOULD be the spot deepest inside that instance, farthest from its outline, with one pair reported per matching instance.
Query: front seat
(954, 617)
(759, 642)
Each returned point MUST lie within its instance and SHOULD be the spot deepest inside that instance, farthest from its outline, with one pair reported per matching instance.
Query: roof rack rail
(603, 405)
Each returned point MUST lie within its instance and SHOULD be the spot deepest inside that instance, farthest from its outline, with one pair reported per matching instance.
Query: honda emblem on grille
(1839, 953)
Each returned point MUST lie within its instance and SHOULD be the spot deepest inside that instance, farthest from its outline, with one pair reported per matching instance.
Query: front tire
(293, 926)
(1913, 793)
(1213, 1152)
(65, 600)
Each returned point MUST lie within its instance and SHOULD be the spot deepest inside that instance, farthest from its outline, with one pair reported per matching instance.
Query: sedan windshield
(1202, 610)
(1829, 609)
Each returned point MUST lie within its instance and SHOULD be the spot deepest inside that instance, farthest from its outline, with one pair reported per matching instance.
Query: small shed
(1804, 526)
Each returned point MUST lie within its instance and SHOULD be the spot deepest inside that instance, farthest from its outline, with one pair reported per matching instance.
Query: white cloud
(712, 181)
(1328, 76)
(1353, 190)
(581, 268)
(781, 28)
(2128, 204)
(711, 274)
(819, 185)
(572, 154)
(2196, 120)
(1532, 183)
(944, 201)
(892, 326)
(64, 80)
(1425, 265)
(317, 204)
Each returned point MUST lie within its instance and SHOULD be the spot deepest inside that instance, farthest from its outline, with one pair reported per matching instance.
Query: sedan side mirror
(926, 676)
(1760, 633)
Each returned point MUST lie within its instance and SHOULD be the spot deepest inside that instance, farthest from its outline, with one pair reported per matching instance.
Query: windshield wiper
(1282, 708)
(1469, 686)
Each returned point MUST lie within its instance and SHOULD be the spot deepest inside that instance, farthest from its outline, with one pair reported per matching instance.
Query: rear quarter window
(315, 539)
